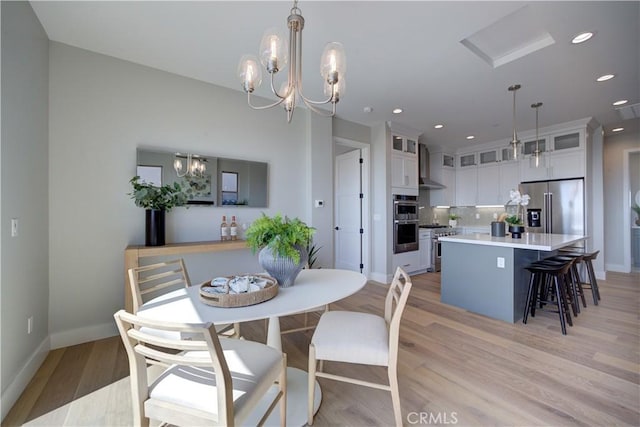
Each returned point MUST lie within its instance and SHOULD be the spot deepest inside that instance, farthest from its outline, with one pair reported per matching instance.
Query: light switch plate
(500, 262)
(14, 227)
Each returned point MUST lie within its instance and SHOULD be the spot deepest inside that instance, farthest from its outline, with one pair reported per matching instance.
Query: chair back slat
(395, 303)
(148, 280)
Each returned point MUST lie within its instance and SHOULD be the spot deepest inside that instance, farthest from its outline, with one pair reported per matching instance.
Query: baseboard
(20, 382)
(601, 274)
(82, 335)
(380, 277)
(618, 268)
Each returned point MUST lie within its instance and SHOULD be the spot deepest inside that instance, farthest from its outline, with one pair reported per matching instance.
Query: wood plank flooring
(455, 368)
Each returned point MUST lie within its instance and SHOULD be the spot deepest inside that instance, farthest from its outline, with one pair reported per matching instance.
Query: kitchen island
(487, 275)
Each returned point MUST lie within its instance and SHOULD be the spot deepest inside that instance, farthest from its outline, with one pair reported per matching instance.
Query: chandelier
(536, 153)
(276, 51)
(515, 142)
(194, 166)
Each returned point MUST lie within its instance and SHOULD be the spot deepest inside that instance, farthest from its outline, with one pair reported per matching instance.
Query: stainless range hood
(425, 180)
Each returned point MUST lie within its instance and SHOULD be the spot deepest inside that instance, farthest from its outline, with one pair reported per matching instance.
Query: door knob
(337, 228)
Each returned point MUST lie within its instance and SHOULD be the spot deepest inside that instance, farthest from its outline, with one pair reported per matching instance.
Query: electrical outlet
(495, 215)
(30, 325)
(319, 203)
(477, 216)
(500, 262)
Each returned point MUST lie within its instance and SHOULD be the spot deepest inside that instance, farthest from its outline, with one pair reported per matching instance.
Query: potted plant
(516, 228)
(453, 220)
(157, 201)
(282, 243)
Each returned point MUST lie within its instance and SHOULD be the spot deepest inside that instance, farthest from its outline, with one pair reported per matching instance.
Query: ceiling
(399, 54)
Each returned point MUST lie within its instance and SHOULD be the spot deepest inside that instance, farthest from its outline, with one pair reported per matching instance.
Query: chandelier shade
(278, 52)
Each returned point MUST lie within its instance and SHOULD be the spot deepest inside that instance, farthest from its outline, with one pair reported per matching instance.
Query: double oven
(405, 223)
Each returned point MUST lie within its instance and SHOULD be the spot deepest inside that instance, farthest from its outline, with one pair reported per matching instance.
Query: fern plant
(280, 234)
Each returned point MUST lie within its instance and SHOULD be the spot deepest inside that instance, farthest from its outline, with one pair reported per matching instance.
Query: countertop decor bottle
(224, 229)
(233, 228)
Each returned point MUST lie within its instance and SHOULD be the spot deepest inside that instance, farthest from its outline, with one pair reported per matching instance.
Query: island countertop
(530, 241)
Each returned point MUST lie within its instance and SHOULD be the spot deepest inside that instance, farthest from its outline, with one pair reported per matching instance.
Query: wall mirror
(207, 180)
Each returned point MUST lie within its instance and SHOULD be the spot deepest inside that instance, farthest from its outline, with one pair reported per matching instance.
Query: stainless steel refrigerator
(561, 203)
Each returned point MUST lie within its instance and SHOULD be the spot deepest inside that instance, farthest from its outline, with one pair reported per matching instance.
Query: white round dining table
(313, 288)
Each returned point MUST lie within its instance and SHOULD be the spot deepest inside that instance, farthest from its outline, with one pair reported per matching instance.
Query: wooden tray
(229, 300)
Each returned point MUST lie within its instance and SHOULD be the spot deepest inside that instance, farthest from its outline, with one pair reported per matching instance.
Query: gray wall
(614, 227)
(24, 282)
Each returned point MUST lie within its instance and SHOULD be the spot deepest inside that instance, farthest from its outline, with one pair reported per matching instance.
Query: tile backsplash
(430, 215)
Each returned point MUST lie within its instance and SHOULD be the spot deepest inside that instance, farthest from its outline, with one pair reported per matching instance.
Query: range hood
(425, 180)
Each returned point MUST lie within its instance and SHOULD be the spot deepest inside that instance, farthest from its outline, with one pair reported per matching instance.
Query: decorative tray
(238, 291)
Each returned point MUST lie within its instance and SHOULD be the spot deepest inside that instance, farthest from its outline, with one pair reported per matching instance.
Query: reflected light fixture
(194, 166)
(515, 142)
(536, 153)
(276, 51)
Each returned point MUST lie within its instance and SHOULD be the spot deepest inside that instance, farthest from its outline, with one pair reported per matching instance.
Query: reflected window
(229, 188)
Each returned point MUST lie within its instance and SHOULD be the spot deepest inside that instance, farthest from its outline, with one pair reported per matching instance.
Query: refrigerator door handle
(547, 215)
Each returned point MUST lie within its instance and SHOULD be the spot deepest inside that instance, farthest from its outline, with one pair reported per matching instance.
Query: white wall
(614, 226)
(24, 283)
(101, 109)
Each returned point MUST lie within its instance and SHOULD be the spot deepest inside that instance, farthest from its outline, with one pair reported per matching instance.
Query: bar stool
(587, 258)
(568, 281)
(574, 277)
(553, 275)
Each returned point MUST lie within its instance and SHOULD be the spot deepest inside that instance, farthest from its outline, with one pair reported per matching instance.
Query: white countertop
(531, 241)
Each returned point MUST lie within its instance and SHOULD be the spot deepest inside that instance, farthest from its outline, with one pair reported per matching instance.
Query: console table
(133, 253)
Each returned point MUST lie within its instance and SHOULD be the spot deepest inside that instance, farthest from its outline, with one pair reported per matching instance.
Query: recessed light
(617, 130)
(605, 77)
(438, 126)
(470, 137)
(621, 102)
(582, 37)
(397, 110)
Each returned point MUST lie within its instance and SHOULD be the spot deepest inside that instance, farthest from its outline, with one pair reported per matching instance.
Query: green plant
(313, 250)
(158, 198)
(636, 209)
(513, 220)
(281, 235)
(454, 217)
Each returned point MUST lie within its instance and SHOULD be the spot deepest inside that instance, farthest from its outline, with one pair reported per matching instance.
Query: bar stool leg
(530, 304)
(594, 283)
(560, 308)
(578, 282)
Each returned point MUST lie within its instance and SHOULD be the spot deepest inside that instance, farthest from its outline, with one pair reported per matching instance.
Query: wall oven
(406, 228)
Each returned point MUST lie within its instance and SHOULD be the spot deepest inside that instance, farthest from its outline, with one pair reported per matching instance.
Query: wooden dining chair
(150, 281)
(209, 380)
(362, 338)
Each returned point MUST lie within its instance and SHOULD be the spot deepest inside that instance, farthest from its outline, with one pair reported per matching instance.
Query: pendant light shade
(515, 142)
(536, 153)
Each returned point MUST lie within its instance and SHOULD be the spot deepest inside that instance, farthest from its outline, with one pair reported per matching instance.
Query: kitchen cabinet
(488, 157)
(404, 145)
(529, 147)
(466, 186)
(408, 261)
(467, 160)
(566, 158)
(404, 174)
(442, 166)
(495, 182)
(425, 250)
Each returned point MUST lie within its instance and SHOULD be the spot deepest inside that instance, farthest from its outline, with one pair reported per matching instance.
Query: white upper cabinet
(564, 156)
(466, 186)
(467, 160)
(488, 157)
(404, 160)
(442, 166)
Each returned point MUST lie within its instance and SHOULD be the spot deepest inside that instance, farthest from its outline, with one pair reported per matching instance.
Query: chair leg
(311, 383)
(395, 395)
(283, 388)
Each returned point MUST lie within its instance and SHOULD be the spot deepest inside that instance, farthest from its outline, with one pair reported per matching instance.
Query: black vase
(516, 231)
(154, 227)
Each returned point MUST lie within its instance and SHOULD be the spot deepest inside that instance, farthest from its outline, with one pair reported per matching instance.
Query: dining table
(313, 288)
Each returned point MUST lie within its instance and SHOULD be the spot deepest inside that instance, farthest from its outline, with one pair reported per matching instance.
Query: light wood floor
(455, 367)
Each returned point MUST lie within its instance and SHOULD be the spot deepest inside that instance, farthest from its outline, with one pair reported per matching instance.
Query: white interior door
(348, 211)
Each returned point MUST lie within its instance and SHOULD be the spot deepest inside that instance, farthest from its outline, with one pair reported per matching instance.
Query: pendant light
(536, 153)
(515, 142)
